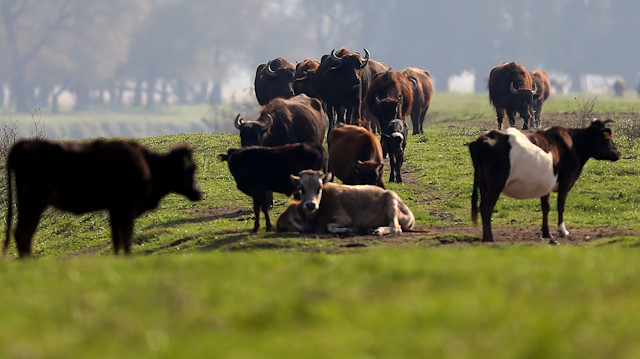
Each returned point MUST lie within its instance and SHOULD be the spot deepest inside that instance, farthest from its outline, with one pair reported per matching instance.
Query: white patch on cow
(531, 174)
(562, 230)
(397, 134)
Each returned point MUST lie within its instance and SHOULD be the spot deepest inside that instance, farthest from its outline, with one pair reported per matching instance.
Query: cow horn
(238, 122)
(377, 100)
(535, 89)
(365, 60)
(414, 83)
(269, 122)
(334, 56)
(269, 71)
(512, 89)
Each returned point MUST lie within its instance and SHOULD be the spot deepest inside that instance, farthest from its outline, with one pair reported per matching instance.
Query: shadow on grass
(239, 214)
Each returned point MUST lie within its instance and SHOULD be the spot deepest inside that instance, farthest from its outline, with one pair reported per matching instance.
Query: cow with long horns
(511, 90)
(274, 79)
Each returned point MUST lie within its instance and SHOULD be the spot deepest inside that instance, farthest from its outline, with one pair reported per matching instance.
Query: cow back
(295, 120)
(422, 86)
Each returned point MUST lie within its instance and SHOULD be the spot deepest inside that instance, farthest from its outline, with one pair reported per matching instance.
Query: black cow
(533, 164)
(274, 79)
(282, 121)
(511, 90)
(394, 141)
(122, 177)
(260, 170)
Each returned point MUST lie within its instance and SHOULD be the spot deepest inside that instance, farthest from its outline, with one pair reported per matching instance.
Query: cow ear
(607, 133)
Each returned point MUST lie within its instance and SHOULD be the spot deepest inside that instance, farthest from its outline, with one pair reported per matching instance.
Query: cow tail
(9, 205)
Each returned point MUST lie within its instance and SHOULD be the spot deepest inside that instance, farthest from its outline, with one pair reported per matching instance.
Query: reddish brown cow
(122, 177)
(273, 79)
(543, 85)
(355, 155)
(301, 81)
(390, 96)
(511, 90)
(422, 94)
(533, 164)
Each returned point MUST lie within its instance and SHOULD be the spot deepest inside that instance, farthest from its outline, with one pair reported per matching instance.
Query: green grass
(543, 302)
(201, 285)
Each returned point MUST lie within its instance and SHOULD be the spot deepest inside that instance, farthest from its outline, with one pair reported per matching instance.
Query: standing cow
(390, 96)
(543, 86)
(527, 164)
(394, 141)
(355, 156)
(122, 177)
(274, 79)
(422, 94)
(619, 86)
(511, 90)
(302, 83)
(282, 121)
(258, 171)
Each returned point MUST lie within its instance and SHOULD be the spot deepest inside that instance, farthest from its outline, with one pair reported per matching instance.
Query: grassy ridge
(215, 290)
(392, 303)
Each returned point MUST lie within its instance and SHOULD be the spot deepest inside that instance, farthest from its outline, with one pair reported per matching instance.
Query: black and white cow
(527, 164)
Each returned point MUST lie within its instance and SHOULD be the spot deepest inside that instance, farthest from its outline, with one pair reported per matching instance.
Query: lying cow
(260, 170)
(532, 164)
(394, 141)
(342, 209)
(122, 177)
(355, 155)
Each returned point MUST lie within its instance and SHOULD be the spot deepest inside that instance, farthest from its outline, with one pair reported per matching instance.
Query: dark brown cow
(422, 94)
(258, 171)
(619, 86)
(341, 81)
(122, 177)
(511, 90)
(274, 79)
(390, 96)
(543, 86)
(355, 156)
(533, 164)
(282, 121)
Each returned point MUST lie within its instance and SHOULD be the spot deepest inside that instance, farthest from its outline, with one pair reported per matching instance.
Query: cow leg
(266, 204)
(423, 115)
(350, 118)
(121, 229)
(392, 215)
(500, 113)
(512, 118)
(28, 219)
(562, 199)
(392, 167)
(399, 161)
(257, 203)
(488, 199)
(545, 205)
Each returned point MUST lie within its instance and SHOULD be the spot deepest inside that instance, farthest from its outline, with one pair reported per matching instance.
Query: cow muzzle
(310, 206)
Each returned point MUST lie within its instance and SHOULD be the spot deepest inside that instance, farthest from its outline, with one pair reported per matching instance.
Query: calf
(355, 155)
(341, 209)
(122, 177)
(532, 164)
(394, 140)
(261, 170)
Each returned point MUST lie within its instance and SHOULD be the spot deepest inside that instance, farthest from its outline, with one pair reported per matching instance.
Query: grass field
(199, 284)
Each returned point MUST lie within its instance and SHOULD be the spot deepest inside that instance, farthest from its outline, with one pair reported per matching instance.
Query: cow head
(347, 65)
(392, 143)
(280, 73)
(369, 172)
(598, 142)
(252, 132)
(523, 100)
(310, 183)
(183, 168)
(302, 78)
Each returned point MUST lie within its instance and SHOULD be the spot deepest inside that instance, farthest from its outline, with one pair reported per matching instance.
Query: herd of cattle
(346, 96)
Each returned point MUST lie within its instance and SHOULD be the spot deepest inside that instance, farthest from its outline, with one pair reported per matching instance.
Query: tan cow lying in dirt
(335, 208)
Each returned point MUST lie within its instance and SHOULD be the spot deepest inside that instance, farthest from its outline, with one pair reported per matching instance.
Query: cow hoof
(553, 242)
